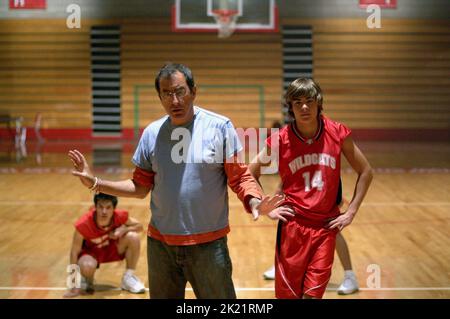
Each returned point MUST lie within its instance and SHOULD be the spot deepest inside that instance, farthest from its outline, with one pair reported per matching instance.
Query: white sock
(129, 272)
(349, 273)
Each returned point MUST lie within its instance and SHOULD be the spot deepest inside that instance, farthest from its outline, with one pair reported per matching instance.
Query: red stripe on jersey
(143, 177)
(186, 240)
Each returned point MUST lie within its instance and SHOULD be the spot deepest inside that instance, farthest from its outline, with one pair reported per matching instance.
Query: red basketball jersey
(95, 238)
(310, 168)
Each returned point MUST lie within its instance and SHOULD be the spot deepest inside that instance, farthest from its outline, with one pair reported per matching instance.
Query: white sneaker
(349, 285)
(132, 284)
(270, 274)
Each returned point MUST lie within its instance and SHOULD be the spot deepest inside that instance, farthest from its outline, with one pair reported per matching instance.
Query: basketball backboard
(201, 15)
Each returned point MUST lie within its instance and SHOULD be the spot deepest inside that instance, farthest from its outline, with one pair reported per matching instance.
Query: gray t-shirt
(190, 186)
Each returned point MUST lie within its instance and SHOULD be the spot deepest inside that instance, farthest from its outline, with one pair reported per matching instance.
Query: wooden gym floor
(402, 229)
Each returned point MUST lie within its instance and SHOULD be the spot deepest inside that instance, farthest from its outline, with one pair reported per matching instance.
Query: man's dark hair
(171, 68)
(303, 87)
(102, 196)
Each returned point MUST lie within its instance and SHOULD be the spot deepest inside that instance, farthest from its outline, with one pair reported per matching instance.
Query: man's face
(105, 210)
(305, 109)
(177, 99)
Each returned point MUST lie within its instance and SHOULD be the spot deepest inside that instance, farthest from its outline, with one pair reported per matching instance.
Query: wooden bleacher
(393, 77)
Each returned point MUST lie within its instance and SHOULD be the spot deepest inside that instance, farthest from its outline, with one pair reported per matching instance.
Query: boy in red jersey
(309, 156)
(106, 234)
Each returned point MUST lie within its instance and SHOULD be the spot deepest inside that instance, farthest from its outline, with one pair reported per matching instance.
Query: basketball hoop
(226, 21)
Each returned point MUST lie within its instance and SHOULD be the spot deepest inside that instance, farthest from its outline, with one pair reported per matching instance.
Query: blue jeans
(207, 267)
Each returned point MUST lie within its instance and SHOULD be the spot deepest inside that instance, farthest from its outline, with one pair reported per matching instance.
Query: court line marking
(247, 289)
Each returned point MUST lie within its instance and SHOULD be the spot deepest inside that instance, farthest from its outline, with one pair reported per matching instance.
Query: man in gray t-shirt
(187, 159)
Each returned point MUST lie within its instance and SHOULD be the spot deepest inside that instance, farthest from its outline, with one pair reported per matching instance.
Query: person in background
(105, 234)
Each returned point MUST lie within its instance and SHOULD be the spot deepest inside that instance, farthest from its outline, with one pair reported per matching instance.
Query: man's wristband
(96, 187)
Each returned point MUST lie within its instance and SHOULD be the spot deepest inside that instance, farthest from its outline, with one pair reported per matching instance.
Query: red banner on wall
(27, 4)
(381, 3)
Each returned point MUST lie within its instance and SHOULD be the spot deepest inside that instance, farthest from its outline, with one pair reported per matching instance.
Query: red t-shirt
(310, 168)
(96, 238)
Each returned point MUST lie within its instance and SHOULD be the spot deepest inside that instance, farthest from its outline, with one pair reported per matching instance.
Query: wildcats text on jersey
(312, 159)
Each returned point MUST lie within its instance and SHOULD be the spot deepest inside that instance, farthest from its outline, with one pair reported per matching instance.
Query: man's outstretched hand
(81, 168)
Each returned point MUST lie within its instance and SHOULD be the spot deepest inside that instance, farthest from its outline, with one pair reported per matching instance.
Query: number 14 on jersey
(316, 181)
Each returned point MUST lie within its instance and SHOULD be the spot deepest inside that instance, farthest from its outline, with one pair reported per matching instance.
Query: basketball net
(226, 20)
